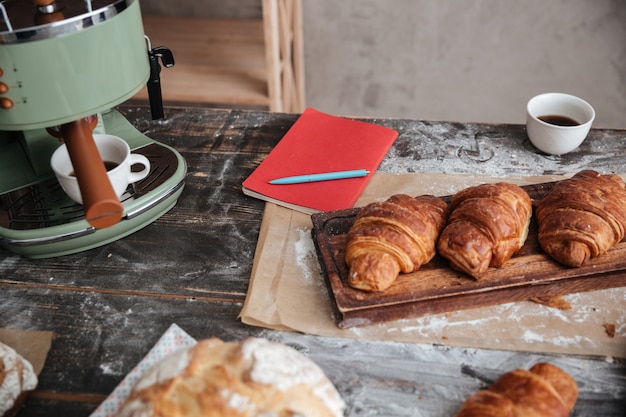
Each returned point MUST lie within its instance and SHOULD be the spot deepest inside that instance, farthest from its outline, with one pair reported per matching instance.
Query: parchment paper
(287, 291)
(32, 345)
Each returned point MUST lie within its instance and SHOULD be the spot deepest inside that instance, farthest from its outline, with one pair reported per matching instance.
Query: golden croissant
(543, 391)
(393, 236)
(488, 223)
(582, 217)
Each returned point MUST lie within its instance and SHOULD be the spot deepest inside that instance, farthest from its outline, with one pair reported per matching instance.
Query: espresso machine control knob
(6, 103)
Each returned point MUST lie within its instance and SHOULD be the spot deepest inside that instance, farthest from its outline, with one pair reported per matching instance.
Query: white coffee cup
(118, 159)
(547, 116)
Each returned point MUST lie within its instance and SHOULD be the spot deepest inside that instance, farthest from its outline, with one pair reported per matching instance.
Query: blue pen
(339, 175)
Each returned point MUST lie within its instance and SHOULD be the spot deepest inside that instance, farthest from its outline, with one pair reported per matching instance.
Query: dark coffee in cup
(557, 119)
(109, 165)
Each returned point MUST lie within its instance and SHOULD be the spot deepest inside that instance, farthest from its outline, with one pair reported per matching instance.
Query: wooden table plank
(99, 336)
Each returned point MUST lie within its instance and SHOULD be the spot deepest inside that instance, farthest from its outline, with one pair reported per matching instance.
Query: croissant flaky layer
(543, 391)
(488, 223)
(393, 236)
(582, 217)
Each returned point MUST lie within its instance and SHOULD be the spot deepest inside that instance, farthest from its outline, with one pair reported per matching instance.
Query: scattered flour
(531, 337)
(305, 254)
(109, 369)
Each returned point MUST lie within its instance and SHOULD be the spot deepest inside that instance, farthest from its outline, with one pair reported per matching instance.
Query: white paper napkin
(172, 340)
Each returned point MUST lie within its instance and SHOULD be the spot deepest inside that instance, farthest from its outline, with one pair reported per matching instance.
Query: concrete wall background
(463, 60)
(478, 60)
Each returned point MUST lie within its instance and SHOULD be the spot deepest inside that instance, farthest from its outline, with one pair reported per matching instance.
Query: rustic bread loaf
(17, 379)
(255, 377)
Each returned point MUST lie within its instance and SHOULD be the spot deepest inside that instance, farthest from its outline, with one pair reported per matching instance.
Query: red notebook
(319, 143)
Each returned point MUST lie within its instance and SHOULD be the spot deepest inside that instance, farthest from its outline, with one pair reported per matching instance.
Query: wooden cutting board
(436, 288)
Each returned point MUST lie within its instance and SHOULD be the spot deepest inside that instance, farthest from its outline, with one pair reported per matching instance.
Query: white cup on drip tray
(117, 158)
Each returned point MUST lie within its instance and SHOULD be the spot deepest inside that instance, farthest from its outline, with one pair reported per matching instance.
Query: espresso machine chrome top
(63, 65)
(21, 22)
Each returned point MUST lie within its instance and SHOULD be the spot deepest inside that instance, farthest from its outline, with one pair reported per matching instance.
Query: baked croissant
(488, 223)
(582, 217)
(393, 236)
(543, 391)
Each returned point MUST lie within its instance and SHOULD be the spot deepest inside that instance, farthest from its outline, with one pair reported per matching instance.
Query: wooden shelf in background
(284, 54)
(217, 61)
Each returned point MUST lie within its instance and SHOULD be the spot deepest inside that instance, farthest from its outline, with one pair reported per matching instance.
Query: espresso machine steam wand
(154, 82)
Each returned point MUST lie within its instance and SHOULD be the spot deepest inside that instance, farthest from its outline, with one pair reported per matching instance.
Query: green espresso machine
(64, 66)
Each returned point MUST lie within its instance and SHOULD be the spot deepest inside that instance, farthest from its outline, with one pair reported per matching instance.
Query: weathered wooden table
(108, 306)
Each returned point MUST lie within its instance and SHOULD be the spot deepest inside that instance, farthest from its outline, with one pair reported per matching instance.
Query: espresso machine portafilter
(64, 66)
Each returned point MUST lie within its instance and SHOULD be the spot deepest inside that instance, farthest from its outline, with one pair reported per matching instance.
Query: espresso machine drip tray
(40, 220)
(46, 204)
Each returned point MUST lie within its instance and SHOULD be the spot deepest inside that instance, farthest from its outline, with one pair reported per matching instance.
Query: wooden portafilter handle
(102, 206)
